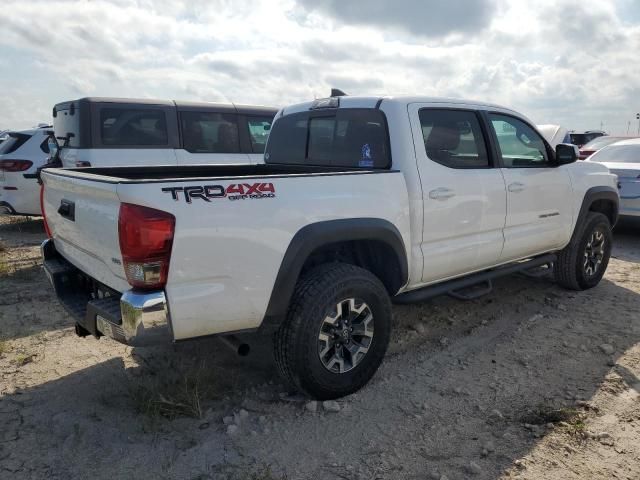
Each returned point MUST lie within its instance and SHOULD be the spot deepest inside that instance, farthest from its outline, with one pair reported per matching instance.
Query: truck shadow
(510, 352)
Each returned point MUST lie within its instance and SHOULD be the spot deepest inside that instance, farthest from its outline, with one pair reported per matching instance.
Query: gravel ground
(529, 382)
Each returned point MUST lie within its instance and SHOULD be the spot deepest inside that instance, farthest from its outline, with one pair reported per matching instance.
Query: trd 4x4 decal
(235, 191)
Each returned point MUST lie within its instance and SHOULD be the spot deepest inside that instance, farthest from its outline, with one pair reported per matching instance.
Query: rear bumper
(134, 318)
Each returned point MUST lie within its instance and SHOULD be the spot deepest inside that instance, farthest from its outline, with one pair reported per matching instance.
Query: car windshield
(601, 142)
(618, 154)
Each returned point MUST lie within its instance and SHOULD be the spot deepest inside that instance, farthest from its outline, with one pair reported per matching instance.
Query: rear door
(539, 194)
(210, 137)
(463, 193)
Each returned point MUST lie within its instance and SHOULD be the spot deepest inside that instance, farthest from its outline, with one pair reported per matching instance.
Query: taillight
(146, 238)
(82, 164)
(15, 165)
(44, 217)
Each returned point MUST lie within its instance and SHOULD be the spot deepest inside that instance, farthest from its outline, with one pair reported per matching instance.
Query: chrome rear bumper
(134, 318)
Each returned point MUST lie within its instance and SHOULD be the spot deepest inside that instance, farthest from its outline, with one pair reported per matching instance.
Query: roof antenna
(336, 92)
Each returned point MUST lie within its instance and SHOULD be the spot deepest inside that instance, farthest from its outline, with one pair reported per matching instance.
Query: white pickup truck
(361, 200)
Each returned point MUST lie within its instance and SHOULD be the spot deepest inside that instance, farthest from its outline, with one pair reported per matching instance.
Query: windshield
(618, 154)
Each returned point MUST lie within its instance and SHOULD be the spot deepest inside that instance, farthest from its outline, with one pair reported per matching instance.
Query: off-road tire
(569, 269)
(296, 346)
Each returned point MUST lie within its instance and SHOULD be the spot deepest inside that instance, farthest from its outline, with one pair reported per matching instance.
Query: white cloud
(571, 62)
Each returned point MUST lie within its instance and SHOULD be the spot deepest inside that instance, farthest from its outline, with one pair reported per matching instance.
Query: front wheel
(336, 332)
(582, 264)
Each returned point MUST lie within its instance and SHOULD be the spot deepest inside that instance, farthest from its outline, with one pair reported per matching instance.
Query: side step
(456, 285)
(473, 291)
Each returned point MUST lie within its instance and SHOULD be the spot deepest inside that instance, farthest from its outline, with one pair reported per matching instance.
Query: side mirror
(566, 153)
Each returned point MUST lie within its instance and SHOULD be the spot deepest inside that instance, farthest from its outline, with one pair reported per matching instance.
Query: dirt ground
(528, 382)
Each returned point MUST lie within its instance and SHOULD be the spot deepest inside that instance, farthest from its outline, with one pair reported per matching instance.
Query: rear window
(344, 138)
(616, 153)
(210, 132)
(13, 142)
(139, 127)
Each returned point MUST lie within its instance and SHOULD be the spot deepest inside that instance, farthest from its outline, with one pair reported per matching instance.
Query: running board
(431, 291)
(538, 272)
(472, 292)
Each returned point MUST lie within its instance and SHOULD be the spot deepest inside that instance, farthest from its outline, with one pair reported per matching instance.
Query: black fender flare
(592, 195)
(316, 235)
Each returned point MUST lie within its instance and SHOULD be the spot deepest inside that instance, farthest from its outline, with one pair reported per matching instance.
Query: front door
(539, 198)
(463, 193)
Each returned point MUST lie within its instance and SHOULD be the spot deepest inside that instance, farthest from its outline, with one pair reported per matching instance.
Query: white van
(110, 132)
(21, 155)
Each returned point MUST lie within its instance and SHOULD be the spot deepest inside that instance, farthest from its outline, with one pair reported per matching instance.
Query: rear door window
(133, 127)
(453, 138)
(13, 142)
(205, 132)
(259, 128)
(346, 137)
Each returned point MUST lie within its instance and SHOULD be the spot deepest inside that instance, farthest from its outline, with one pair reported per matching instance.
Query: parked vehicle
(554, 134)
(103, 132)
(4, 134)
(596, 144)
(623, 159)
(361, 199)
(21, 154)
(580, 139)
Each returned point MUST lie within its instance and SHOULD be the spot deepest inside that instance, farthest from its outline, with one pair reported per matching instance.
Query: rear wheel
(582, 264)
(336, 332)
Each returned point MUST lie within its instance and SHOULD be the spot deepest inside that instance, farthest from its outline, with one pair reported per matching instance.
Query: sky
(568, 62)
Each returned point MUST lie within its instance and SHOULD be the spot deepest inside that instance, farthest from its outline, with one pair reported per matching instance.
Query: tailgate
(82, 215)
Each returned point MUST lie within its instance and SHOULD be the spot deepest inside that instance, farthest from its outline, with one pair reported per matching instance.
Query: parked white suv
(361, 200)
(21, 155)
(105, 132)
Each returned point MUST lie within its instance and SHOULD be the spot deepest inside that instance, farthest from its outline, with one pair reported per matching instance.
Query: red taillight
(146, 238)
(44, 217)
(15, 165)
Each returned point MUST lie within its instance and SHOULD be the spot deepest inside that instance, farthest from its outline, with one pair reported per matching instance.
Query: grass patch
(23, 358)
(4, 347)
(156, 400)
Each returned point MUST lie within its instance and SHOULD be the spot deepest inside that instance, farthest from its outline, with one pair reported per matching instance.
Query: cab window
(520, 145)
(206, 132)
(133, 127)
(259, 128)
(453, 138)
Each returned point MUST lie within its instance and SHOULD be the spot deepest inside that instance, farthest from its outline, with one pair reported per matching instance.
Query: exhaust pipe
(235, 344)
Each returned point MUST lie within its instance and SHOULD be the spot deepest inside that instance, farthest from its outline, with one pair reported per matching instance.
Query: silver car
(623, 159)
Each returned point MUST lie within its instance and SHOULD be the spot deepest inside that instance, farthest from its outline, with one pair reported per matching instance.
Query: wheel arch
(600, 199)
(372, 243)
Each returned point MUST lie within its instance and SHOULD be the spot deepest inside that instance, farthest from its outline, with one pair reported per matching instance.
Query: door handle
(441, 193)
(516, 187)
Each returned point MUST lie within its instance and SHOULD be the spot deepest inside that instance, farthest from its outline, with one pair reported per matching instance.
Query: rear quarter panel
(227, 253)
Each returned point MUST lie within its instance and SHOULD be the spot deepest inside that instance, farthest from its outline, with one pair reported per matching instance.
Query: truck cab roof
(375, 101)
